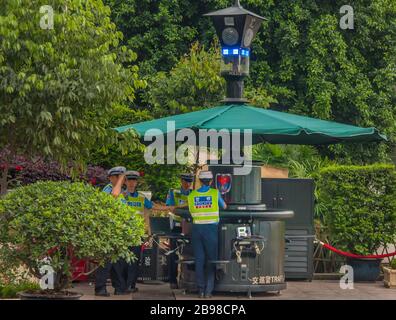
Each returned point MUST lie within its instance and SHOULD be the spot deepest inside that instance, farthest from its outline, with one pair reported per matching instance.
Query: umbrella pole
(196, 167)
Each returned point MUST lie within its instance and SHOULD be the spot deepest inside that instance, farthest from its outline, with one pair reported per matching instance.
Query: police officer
(138, 202)
(117, 177)
(204, 204)
(176, 198)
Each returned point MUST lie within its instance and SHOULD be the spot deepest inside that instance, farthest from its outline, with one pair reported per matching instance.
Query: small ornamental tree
(44, 223)
(58, 85)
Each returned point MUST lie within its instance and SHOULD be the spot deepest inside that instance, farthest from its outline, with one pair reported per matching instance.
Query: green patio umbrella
(266, 125)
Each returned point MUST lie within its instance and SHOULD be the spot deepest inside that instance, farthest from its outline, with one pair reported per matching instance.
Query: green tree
(313, 67)
(160, 31)
(301, 56)
(58, 86)
(192, 84)
(158, 178)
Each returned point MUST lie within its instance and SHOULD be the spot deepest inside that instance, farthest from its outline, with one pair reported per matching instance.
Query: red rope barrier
(358, 256)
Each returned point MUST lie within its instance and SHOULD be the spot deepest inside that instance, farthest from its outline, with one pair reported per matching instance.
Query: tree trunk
(61, 282)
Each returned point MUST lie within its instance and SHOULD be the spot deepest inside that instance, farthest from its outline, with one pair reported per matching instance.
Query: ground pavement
(315, 290)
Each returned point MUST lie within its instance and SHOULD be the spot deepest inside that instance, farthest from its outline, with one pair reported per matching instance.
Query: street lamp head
(236, 28)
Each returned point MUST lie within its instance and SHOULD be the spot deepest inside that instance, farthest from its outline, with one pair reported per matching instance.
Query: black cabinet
(296, 195)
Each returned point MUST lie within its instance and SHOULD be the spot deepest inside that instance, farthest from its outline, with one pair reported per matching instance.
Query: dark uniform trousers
(132, 269)
(115, 271)
(205, 245)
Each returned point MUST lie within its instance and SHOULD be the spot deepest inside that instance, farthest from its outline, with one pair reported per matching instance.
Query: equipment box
(296, 195)
(154, 264)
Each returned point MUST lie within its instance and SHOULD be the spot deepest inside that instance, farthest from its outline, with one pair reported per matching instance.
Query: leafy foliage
(194, 83)
(161, 178)
(58, 86)
(14, 278)
(9, 291)
(122, 115)
(315, 68)
(306, 63)
(157, 178)
(361, 206)
(160, 32)
(296, 158)
(63, 216)
(24, 171)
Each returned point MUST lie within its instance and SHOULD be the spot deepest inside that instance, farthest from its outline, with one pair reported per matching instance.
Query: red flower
(141, 173)
(18, 168)
(93, 181)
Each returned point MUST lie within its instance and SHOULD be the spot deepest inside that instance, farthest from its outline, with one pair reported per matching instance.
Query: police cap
(131, 174)
(187, 177)
(116, 171)
(205, 175)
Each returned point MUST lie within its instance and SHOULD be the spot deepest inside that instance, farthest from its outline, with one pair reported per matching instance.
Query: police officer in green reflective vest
(177, 198)
(138, 202)
(204, 204)
(115, 187)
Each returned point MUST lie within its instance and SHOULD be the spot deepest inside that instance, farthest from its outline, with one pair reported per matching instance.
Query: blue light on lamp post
(236, 28)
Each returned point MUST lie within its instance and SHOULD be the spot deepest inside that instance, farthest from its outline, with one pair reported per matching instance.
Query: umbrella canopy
(266, 125)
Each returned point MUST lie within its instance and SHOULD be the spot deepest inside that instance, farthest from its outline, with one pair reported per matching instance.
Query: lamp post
(236, 28)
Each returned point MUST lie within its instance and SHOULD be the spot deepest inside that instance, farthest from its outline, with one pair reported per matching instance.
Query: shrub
(360, 205)
(49, 219)
(9, 291)
(24, 171)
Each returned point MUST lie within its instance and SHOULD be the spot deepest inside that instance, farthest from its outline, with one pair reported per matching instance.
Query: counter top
(272, 214)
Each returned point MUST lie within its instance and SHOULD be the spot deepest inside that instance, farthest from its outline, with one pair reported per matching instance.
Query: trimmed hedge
(360, 204)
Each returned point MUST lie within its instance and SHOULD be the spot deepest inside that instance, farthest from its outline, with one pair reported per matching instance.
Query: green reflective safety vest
(204, 206)
(136, 203)
(120, 196)
(180, 200)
